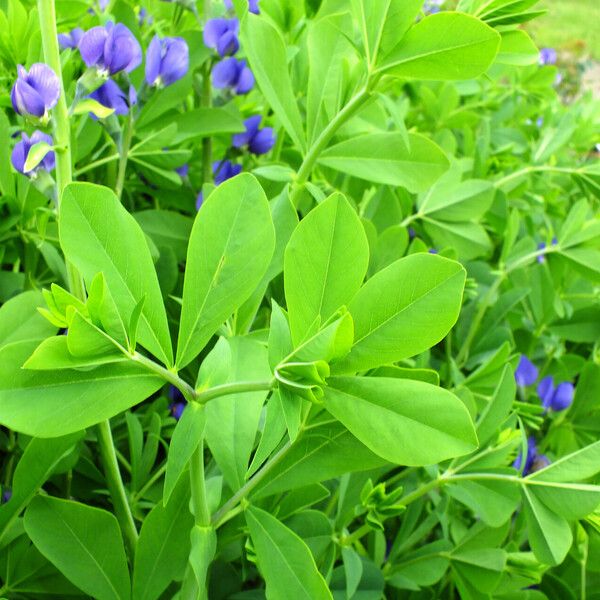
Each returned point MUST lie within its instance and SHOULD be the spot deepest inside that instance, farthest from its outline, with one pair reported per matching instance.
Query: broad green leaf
(550, 535)
(386, 158)
(478, 570)
(55, 403)
(205, 122)
(163, 546)
(328, 450)
(403, 310)
(517, 48)
(83, 542)
(230, 249)
(284, 560)
(232, 420)
(498, 408)
(444, 46)
(186, 437)
(423, 567)
(266, 53)
(325, 263)
(21, 321)
(98, 235)
(470, 240)
(167, 228)
(33, 469)
(404, 421)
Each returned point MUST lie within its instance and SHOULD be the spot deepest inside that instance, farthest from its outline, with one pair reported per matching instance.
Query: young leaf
(284, 560)
(21, 321)
(84, 543)
(230, 248)
(386, 158)
(98, 235)
(403, 310)
(325, 263)
(444, 46)
(55, 403)
(163, 547)
(404, 421)
(266, 52)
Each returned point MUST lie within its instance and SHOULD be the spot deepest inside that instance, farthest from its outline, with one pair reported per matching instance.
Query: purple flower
(433, 251)
(233, 73)
(259, 141)
(539, 121)
(167, 61)
(252, 6)
(533, 461)
(36, 92)
(183, 170)
(412, 234)
(556, 398)
(431, 7)
(6, 496)
(144, 18)
(110, 49)
(21, 152)
(541, 246)
(547, 56)
(177, 403)
(109, 94)
(222, 35)
(71, 39)
(199, 200)
(526, 372)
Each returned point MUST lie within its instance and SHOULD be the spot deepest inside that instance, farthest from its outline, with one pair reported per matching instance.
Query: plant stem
(233, 388)
(124, 154)
(321, 143)
(198, 483)
(169, 376)
(354, 537)
(96, 163)
(115, 486)
(533, 169)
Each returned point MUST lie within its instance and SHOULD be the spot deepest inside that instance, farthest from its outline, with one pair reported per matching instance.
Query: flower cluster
(534, 461)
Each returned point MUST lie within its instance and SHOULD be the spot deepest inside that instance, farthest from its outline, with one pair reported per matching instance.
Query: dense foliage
(300, 299)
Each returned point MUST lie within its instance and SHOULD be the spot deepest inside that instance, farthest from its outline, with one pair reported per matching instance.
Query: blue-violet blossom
(71, 39)
(548, 56)
(21, 152)
(556, 398)
(222, 35)
(252, 6)
(111, 49)
(534, 461)
(167, 61)
(109, 94)
(258, 141)
(35, 92)
(233, 73)
(526, 372)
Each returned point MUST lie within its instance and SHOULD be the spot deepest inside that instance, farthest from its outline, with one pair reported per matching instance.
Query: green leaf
(232, 420)
(55, 403)
(497, 410)
(284, 560)
(167, 228)
(444, 46)
(266, 53)
(403, 310)
(386, 158)
(233, 225)
(186, 437)
(517, 49)
(325, 263)
(205, 122)
(84, 543)
(404, 421)
(98, 235)
(21, 321)
(33, 469)
(163, 547)
(550, 535)
(36, 154)
(93, 106)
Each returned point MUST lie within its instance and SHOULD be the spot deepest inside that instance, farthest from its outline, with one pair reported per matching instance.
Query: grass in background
(572, 25)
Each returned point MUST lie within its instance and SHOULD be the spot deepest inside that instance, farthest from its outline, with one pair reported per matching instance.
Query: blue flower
(110, 49)
(6, 495)
(167, 61)
(21, 152)
(533, 460)
(526, 372)
(35, 92)
(109, 94)
(144, 18)
(183, 170)
(252, 6)
(541, 246)
(431, 7)
(222, 35)
(71, 39)
(177, 404)
(555, 398)
(258, 141)
(233, 73)
(548, 56)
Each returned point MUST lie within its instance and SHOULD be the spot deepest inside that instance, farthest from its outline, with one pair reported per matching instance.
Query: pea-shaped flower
(556, 398)
(36, 92)
(71, 39)
(222, 35)
(258, 141)
(109, 94)
(111, 49)
(167, 60)
(548, 56)
(21, 150)
(252, 5)
(534, 461)
(526, 372)
(233, 73)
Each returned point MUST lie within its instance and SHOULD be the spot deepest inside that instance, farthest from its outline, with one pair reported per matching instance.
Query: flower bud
(21, 150)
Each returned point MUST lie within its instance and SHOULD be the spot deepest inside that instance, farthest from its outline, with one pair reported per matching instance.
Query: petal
(176, 62)
(26, 100)
(153, 60)
(253, 6)
(526, 372)
(262, 142)
(124, 53)
(91, 46)
(213, 30)
(245, 81)
(545, 390)
(39, 136)
(18, 157)
(65, 41)
(563, 396)
(228, 44)
(224, 73)
(43, 79)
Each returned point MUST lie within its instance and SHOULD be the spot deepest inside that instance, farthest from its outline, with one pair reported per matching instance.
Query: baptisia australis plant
(317, 385)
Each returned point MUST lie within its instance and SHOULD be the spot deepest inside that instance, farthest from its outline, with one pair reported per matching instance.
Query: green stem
(321, 143)
(96, 163)
(169, 376)
(357, 535)
(198, 483)
(124, 154)
(233, 388)
(420, 491)
(115, 486)
(539, 169)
